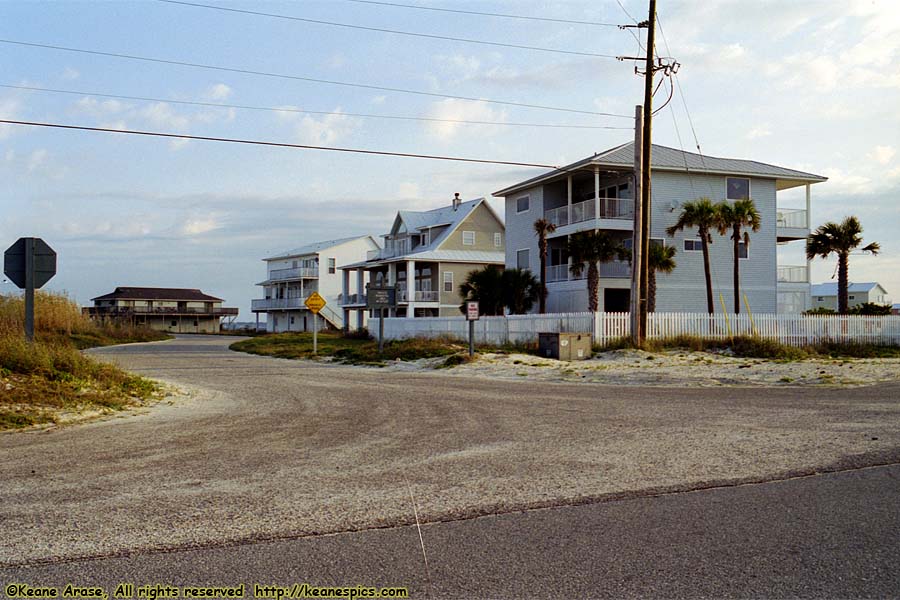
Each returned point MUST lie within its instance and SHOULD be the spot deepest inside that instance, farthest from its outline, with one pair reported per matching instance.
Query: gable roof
(664, 158)
(149, 293)
(440, 217)
(315, 247)
(830, 288)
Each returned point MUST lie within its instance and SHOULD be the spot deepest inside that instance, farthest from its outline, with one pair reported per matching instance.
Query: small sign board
(14, 262)
(381, 297)
(315, 303)
(471, 311)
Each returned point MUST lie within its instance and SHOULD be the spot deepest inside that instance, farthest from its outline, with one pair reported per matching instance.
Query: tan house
(164, 309)
(427, 255)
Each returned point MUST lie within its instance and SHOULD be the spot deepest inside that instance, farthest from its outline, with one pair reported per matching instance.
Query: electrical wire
(275, 144)
(484, 14)
(302, 78)
(301, 111)
(445, 38)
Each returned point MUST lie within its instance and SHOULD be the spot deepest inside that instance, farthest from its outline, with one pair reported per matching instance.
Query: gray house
(597, 193)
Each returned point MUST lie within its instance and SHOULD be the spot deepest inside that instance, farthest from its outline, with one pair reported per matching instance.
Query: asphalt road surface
(245, 473)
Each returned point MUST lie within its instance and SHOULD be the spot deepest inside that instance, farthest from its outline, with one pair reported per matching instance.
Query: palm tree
(841, 240)
(521, 290)
(662, 260)
(703, 215)
(592, 247)
(486, 286)
(735, 216)
(543, 227)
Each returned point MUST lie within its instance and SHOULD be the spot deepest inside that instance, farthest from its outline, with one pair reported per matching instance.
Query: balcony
(355, 300)
(125, 311)
(611, 269)
(418, 296)
(793, 274)
(791, 224)
(618, 210)
(298, 273)
(277, 304)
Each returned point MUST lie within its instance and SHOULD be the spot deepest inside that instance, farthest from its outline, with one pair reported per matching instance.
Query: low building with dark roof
(176, 310)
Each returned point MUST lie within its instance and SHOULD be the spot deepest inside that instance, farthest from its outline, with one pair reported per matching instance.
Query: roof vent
(456, 201)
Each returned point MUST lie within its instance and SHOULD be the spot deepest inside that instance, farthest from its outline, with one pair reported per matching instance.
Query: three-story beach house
(426, 255)
(292, 276)
(596, 193)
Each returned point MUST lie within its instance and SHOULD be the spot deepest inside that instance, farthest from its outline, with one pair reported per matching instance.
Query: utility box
(565, 346)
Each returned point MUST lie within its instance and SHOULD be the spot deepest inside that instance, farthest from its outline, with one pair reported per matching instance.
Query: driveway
(267, 449)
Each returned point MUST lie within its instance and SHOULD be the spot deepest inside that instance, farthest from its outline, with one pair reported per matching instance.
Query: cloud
(759, 131)
(37, 159)
(322, 130)
(9, 109)
(883, 154)
(200, 226)
(70, 74)
(462, 110)
(219, 91)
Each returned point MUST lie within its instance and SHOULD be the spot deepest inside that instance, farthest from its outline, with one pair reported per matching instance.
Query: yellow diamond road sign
(315, 302)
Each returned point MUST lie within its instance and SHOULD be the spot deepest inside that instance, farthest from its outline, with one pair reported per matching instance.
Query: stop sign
(15, 261)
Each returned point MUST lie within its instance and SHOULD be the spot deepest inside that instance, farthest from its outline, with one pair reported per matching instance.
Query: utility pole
(645, 171)
(637, 237)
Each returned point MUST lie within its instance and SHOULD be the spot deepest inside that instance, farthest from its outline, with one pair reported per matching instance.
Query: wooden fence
(792, 329)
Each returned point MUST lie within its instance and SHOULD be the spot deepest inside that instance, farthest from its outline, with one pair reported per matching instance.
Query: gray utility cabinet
(565, 346)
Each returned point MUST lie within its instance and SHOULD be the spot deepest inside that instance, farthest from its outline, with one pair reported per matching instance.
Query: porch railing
(793, 274)
(610, 208)
(279, 274)
(792, 217)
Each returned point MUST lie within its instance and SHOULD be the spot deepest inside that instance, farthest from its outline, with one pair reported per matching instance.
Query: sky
(810, 85)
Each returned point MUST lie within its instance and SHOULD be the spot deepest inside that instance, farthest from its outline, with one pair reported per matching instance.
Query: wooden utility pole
(637, 237)
(645, 172)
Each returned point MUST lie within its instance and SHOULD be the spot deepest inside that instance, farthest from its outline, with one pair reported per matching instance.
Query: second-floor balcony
(418, 296)
(277, 304)
(621, 209)
(296, 273)
(611, 269)
(354, 300)
(791, 224)
(793, 274)
(112, 311)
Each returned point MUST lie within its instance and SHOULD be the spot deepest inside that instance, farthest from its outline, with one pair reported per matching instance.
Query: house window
(498, 240)
(331, 266)
(523, 204)
(628, 242)
(196, 323)
(737, 188)
(743, 250)
(468, 238)
(292, 320)
(293, 264)
(174, 323)
(523, 259)
(820, 298)
(448, 281)
(693, 245)
(852, 297)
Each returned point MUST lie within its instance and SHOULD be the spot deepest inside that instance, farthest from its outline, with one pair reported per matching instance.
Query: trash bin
(565, 346)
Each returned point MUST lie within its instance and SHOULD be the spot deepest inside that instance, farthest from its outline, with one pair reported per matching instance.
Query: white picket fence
(794, 329)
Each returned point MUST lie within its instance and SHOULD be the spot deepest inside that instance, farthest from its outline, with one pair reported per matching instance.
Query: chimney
(456, 201)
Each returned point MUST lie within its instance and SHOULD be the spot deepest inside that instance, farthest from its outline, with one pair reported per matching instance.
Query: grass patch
(40, 379)
(349, 349)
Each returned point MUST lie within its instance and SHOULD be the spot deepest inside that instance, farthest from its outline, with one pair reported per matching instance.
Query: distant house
(895, 309)
(427, 255)
(164, 309)
(597, 194)
(824, 295)
(292, 276)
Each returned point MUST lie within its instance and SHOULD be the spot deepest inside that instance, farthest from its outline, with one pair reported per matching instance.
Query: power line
(275, 144)
(445, 38)
(302, 111)
(307, 79)
(485, 14)
(624, 10)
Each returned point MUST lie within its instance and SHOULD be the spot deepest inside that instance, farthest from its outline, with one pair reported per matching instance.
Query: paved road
(826, 536)
(267, 449)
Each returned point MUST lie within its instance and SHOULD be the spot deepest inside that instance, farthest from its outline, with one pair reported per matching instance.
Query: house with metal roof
(426, 255)
(175, 310)
(597, 193)
(824, 295)
(293, 275)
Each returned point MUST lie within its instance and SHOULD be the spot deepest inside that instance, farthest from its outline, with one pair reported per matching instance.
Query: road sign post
(471, 317)
(29, 263)
(315, 303)
(381, 298)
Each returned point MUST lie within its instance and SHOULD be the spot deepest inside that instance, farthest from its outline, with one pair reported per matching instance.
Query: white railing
(279, 274)
(613, 268)
(354, 299)
(795, 329)
(277, 303)
(792, 217)
(793, 274)
(610, 208)
(418, 296)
